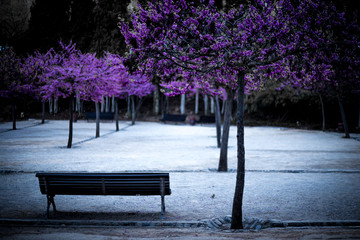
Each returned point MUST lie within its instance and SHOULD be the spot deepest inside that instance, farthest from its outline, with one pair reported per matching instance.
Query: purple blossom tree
(333, 68)
(171, 37)
(13, 84)
(71, 74)
(33, 68)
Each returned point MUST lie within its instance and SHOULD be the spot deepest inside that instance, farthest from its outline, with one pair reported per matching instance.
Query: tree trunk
(166, 104)
(226, 129)
(56, 106)
(156, 103)
(71, 111)
(107, 104)
(97, 113)
(322, 112)
(218, 121)
(102, 104)
(359, 114)
(78, 106)
(197, 102)
(116, 104)
(43, 113)
(343, 116)
(128, 111)
(212, 105)
(236, 222)
(113, 104)
(13, 115)
(223, 107)
(138, 106)
(132, 110)
(206, 105)
(182, 104)
(51, 105)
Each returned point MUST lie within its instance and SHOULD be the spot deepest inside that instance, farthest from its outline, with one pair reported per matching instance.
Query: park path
(292, 174)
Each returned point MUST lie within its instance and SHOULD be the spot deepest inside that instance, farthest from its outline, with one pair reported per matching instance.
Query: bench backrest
(103, 183)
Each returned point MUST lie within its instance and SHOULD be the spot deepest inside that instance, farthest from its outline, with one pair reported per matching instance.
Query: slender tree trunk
(71, 111)
(107, 104)
(43, 112)
(223, 107)
(97, 113)
(51, 105)
(226, 129)
(138, 106)
(359, 114)
(322, 112)
(212, 105)
(182, 104)
(103, 105)
(197, 102)
(113, 104)
(116, 101)
(128, 112)
(56, 106)
(13, 115)
(132, 110)
(156, 103)
(77, 104)
(166, 104)
(236, 222)
(206, 105)
(218, 121)
(343, 116)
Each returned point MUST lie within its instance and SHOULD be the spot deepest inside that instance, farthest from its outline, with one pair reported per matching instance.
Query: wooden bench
(103, 116)
(173, 118)
(206, 119)
(129, 184)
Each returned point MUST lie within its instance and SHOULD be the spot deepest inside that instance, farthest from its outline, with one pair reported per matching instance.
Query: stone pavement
(294, 178)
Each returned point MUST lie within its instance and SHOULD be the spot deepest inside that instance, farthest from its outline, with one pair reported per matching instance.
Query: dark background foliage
(93, 26)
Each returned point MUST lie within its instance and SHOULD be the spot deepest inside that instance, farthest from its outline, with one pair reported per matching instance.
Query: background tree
(49, 23)
(107, 37)
(13, 84)
(72, 74)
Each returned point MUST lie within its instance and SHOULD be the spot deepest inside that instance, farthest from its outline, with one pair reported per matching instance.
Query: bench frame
(130, 184)
(173, 118)
(103, 116)
(206, 119)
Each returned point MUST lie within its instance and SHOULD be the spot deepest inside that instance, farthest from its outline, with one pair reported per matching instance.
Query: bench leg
(162, 191)
(50, 201)
(162, 205)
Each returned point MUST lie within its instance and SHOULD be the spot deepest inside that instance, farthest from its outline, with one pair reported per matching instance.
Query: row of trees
(69, 73)
(303, 44)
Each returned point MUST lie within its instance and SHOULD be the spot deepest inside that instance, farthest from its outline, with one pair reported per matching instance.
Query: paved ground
(292, 175)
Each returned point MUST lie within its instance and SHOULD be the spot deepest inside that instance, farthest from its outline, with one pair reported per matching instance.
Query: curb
(98, 223)
(210, 170)
(255, 224)
(252, 224)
